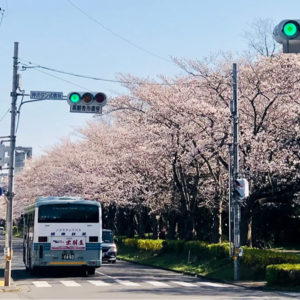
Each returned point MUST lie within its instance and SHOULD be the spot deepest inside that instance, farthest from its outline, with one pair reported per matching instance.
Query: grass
(221, 269)
(19, 234)
(286, 247)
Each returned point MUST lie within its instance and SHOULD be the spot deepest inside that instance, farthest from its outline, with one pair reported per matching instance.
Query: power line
(19, 113)
(63, 80)
(127, 41)
(89, 77)
(5, 114)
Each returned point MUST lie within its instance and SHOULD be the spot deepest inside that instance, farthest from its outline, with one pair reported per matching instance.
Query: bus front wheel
(91, 271)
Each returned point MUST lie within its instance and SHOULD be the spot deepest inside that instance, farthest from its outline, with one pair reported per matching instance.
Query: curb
(245, 286)
(9, 289)
(263, 289)
(193, 274)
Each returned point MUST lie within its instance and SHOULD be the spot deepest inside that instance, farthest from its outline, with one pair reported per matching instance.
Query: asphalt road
(122, 280)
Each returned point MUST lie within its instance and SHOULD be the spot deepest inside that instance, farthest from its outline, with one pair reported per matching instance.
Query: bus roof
(60, 200)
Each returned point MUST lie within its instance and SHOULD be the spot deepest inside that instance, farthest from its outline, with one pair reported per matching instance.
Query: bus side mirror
(116, 240)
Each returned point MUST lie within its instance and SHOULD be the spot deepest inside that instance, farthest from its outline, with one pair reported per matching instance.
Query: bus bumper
(90, 263)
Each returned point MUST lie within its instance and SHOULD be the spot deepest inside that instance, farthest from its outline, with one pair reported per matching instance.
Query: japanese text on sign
(46, 95)
(68, 243)
(86, 109)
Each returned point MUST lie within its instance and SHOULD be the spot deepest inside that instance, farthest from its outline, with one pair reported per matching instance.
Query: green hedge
(260, 259)
(15, 229)
(196, 247)
(283, 275)
(255, 258)
(173, 246)
(144, 244)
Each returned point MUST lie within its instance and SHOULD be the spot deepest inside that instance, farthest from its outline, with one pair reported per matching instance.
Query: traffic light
(241, 190)
(287, 33)
(86, 102)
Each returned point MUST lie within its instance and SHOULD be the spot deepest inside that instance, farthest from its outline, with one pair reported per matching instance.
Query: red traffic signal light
(100, 98)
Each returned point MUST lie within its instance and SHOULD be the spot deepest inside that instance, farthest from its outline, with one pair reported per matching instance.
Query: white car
(109, 248)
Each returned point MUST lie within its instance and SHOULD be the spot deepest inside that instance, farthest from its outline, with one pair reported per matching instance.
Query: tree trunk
(142, 223)
(188, 227)
(111, 219)
(217, 223)
(155, 227)
(246, 226)
(249, 233)
(172, 226)
(130, 231)
(181, 227)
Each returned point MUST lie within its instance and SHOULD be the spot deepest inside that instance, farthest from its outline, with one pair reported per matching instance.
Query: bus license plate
(68, 256)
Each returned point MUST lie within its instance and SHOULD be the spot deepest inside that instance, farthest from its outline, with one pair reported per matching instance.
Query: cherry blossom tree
(166, 152)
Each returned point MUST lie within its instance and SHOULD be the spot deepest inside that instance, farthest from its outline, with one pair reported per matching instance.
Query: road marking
(291, 294)
(157, 283)
(213, 284)
(70, 283)
(105, 275)
(41, 284)
(98, 282)
(128, 283)
(184, 283)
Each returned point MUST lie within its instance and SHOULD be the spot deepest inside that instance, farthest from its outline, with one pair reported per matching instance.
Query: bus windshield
(107, 237)
(68, 213)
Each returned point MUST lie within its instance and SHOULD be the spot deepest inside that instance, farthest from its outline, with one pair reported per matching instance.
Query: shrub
(15, 229)
(130, 243)
(196, 247)
(144, 244)
(260, 259)
(218, 250)
(284, 275)
(173, 246)
(151, 245)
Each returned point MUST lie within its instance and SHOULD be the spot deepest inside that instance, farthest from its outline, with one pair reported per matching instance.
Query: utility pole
(10, 195)
(236, 203)
(230, 219)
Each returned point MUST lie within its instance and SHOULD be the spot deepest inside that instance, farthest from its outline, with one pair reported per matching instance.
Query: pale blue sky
(55, 34)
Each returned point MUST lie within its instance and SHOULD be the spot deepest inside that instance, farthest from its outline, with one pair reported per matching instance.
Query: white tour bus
(62, 231)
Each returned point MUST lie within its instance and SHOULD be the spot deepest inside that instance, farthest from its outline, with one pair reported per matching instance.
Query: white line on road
(128, 283)
(105, 275)
(158, 284)
(70, 283)
(184, 283)
(98, 282)
(214, 284)
(41, 283)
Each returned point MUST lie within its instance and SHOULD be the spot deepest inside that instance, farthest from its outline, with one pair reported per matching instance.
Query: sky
(57, 35)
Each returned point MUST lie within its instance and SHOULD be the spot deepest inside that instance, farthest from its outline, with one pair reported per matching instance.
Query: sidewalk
(249, 284)
(8, 289)
(261, 285)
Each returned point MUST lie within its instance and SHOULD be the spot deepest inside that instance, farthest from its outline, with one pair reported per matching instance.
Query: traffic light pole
(9, 213)
(236, 203)
(230, 221)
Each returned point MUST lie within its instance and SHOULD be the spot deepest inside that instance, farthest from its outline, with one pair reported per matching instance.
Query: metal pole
(229, 200)
(10, 194)
(237, 207)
